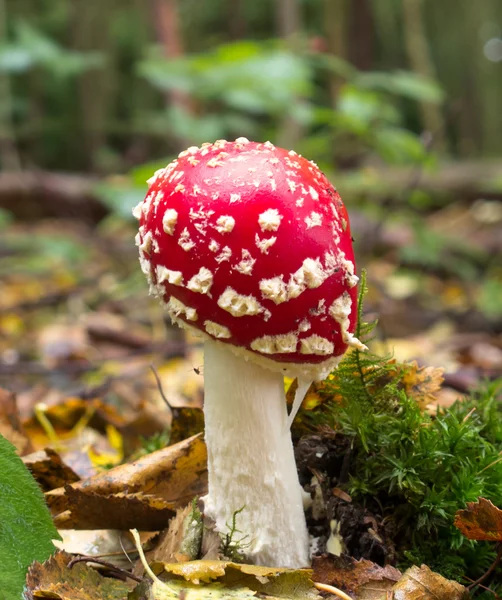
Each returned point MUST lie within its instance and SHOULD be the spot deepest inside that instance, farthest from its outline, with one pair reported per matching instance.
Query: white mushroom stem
(251, 462)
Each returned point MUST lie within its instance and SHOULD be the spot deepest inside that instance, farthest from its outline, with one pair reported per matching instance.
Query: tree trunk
(335, 14)
(168, 27)
(420, 60)
(289, 28)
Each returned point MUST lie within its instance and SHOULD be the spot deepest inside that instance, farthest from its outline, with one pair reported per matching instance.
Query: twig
(494, 565)
(104, 563)
(159, 386)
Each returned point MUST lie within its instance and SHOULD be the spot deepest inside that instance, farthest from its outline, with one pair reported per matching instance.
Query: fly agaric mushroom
(249, 246)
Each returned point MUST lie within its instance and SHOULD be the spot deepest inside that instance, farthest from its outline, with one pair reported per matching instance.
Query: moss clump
(412, 469)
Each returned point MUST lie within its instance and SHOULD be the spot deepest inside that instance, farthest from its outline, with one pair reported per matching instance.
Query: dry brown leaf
(355, 577)
(87, 510)
(53, 579)
(481, 520)
(48, 468)
(175, 475)
(420, 583)
(422, 383)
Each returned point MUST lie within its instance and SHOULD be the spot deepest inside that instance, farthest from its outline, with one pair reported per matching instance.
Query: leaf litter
(107, 362)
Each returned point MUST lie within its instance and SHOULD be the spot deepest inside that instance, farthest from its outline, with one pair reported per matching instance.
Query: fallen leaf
(229, 579)
(53, 579)
(481, 520)
(420, 583)
(356, 577)
(173, 476)
(422, 383)
(48, 468)
(87, 510)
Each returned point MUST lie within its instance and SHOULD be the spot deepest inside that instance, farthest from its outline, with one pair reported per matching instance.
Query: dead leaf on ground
(87, 510)
(48, 468)
(481, 520)
(174, 475)
(227, 579)
(360, 578)
(422, 383)
(420, 583)
(53, 579)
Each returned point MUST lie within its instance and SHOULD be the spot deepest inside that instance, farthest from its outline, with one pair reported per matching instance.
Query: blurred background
(398, 101)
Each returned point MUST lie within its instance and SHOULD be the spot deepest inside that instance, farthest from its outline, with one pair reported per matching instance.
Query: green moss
(415, 469)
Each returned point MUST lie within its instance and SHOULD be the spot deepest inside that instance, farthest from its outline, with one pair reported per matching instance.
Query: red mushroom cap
(250, 245)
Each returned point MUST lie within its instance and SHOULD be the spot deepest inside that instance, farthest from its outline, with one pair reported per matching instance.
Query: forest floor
(91, 370)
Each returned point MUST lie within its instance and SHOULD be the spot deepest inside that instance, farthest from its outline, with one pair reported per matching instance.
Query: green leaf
(33, 48)
(15, 59)
(121, 197)
(402, 83)
(26, 527)
(399, 146)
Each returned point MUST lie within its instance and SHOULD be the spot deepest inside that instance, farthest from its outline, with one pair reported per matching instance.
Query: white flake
(172, 277)
(270, 220)
(224, 255)
(176, 308)
(313, 220)
(304, 326)
(136, 211)
(186, 241)
(265, 244)
(169, 220)
(146, 243)
(214, 246)
(155, 176)
(274, 289)
(216, 330)
(225, 224)
(239, 305)
(214, 162)
(315, 344)
(348, 267)
(246, 264)
(201, 282)
(340, 311)
(313, 193)
(276, 344)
